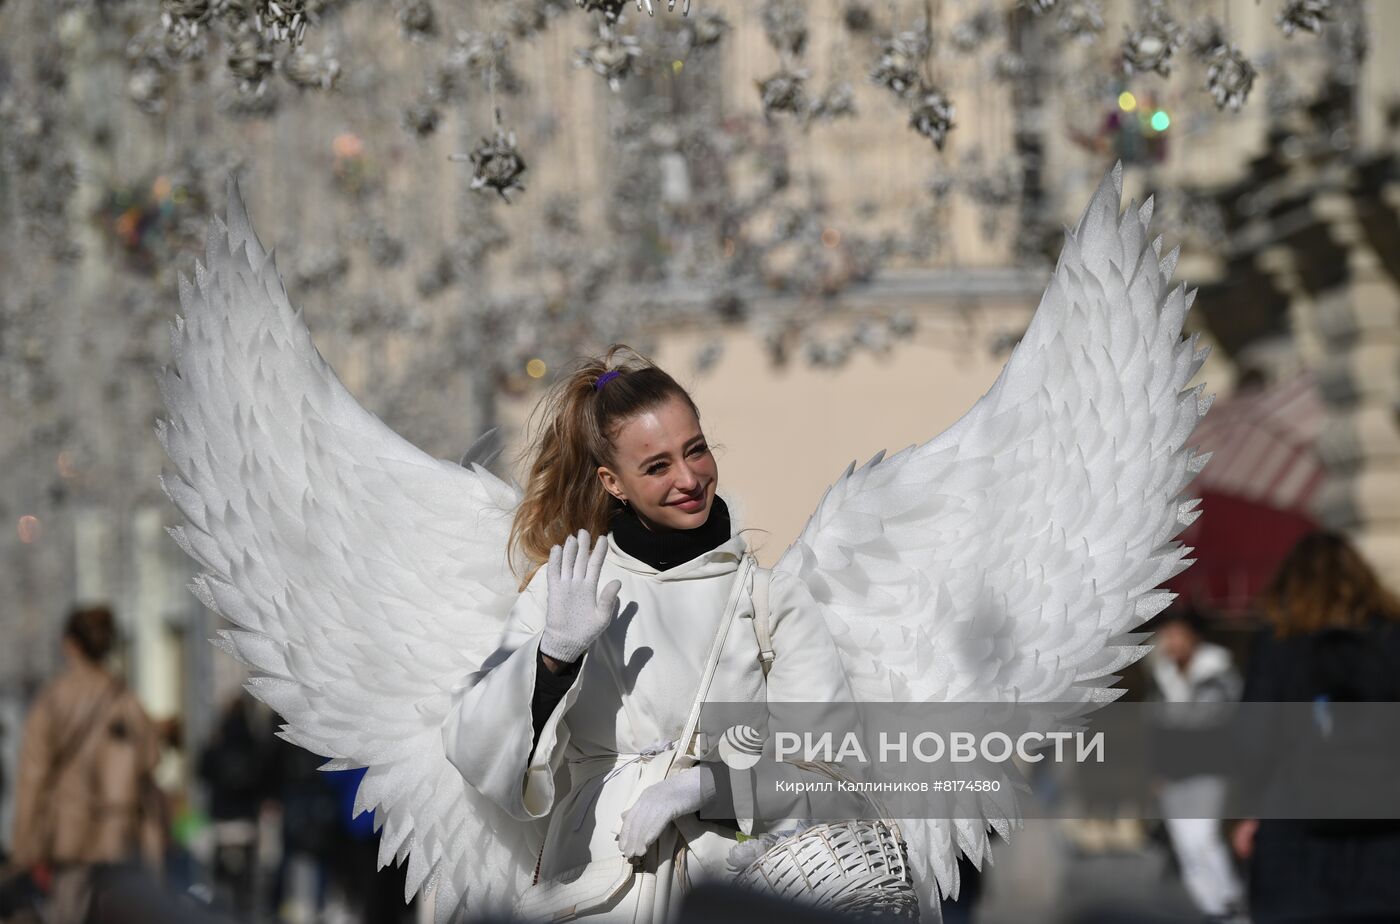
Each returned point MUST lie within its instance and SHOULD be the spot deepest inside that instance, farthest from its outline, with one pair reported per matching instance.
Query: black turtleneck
(663, 550)
(666, 549)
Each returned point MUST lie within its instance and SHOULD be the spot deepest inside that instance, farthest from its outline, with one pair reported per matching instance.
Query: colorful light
(28, 529)
(536, 368)
(677, 66)
(1127, 101)
(1160, 121)
(347, 145)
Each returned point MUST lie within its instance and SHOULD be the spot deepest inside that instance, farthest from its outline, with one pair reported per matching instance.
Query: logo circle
(741, 747)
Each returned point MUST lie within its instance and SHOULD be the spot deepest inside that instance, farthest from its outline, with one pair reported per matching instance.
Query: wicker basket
(856, 867)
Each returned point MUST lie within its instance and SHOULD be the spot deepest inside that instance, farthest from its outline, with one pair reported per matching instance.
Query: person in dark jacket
(1333, 635)
(237, 766)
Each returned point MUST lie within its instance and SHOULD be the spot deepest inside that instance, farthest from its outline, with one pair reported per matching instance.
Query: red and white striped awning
(1264, 444)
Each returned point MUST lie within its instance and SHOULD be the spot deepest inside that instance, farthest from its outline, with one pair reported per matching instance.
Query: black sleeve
(1261, 679)
(719, 809)
(549, 690)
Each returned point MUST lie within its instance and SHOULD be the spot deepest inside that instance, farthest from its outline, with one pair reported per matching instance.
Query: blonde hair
(571, 434)
(1324, 583)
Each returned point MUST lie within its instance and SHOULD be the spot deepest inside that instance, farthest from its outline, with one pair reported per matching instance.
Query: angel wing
(365, 578)
(1008, 558)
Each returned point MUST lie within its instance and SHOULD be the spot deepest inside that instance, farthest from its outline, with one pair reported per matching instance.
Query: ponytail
(571, 434)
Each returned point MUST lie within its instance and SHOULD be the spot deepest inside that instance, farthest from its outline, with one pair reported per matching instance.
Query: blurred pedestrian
(311, 827)
(86, 797)
(237, 766)
(1185, 668)
(1333, 635)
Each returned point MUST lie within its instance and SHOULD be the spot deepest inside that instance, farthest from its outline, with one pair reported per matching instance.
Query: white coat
(634, 690)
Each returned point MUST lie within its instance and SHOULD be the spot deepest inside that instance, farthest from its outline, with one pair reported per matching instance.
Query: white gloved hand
(575, 613)
(662, 803)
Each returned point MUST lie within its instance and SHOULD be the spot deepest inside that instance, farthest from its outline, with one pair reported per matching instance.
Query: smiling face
(663, 468)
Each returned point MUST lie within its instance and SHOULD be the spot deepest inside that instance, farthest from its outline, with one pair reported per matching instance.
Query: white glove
(662, 803)
(575, 614)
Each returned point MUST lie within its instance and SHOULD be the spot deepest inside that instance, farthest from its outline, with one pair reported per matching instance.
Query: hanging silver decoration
(973, 32)
(311, 71)
(1081, 20)
(440, 275)
(613, 57)
(1207, 38)
(1008, 67)
(1304, 15)
(183, 47)
(670, 7)
(783, 92)
(185, 17)
(320, 267)
(932, 115)
(1150, 49)
(611, 9)
(707, 30)
(258, 105)
(785, 25)
(1229, 78)
(147, 64)
(250, 62)
(281, 20)
(857, 18)
(497, 165)
(422, 118)
(901, 57)
(386, 250)
(417, 20)
(838, 102)
(527, 19)
(146, 86)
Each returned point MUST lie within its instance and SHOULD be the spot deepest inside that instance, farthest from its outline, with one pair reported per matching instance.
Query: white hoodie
(1209, 677)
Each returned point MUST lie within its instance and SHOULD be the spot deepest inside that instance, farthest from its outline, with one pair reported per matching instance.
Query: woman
(86, 796)
(1333, 635)
(574, 722)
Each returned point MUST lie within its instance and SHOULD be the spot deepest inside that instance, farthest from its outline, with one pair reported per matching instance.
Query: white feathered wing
(365, 577)
(1007, 559)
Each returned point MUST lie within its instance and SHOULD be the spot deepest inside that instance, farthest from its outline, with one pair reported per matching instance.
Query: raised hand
(575, 613)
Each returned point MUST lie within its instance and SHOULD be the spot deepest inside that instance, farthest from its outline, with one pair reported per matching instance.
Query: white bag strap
(746, 567)
(762, 579)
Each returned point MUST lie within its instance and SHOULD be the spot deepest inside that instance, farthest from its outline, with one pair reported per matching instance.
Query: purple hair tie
(605, 378)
